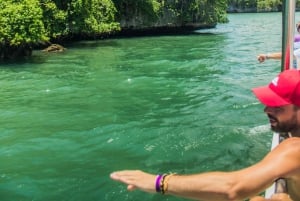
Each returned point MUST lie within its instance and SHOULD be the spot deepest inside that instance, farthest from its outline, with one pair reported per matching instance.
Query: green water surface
(162, 104)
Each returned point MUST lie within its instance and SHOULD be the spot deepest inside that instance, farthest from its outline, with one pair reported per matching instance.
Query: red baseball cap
(283, 90)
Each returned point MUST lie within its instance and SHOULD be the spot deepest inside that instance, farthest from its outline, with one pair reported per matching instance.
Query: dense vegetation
(257, 5)
(25, 24)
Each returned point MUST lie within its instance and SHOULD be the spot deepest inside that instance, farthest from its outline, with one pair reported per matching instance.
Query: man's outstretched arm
(218, 186)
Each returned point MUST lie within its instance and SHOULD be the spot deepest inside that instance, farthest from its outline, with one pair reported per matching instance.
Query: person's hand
(135, 179)
(261, 58)
(258, 198)
(281, 197)
(275, 197)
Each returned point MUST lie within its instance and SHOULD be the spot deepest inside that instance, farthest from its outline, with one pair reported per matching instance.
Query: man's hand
(275, 197)
(261, 58)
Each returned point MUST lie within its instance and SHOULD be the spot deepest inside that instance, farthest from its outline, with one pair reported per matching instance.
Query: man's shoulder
(291, 140)
(291, 145)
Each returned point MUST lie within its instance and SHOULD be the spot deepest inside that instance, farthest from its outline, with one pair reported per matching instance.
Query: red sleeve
(287, 60)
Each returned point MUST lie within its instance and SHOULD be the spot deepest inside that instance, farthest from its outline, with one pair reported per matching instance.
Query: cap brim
(268, 97)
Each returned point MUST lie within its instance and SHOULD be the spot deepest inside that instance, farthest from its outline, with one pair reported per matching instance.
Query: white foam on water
(259, 129)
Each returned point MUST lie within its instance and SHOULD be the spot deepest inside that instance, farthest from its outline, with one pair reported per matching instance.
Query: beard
(280, 128)
(283, 126)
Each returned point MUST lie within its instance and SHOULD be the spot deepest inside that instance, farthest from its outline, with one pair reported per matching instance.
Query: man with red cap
(282, 106)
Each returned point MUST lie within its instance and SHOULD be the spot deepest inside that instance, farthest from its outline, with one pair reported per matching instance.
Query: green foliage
(268, 5)
(138, 10)
(179, 12)
(259, 5)
(24, 23)
(21, 22)
(92, 17)
(54, 19)
(34, 21)
(207, 12)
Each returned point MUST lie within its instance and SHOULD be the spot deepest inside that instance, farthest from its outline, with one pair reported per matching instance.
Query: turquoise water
(162, 104)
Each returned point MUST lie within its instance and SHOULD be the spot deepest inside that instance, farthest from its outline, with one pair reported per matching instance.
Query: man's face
(283, 119)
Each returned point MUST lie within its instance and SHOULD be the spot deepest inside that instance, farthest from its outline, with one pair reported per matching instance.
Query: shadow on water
(93, 44)
(38, 57)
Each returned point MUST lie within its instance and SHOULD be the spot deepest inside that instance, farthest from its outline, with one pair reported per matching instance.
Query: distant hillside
(253, 6)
